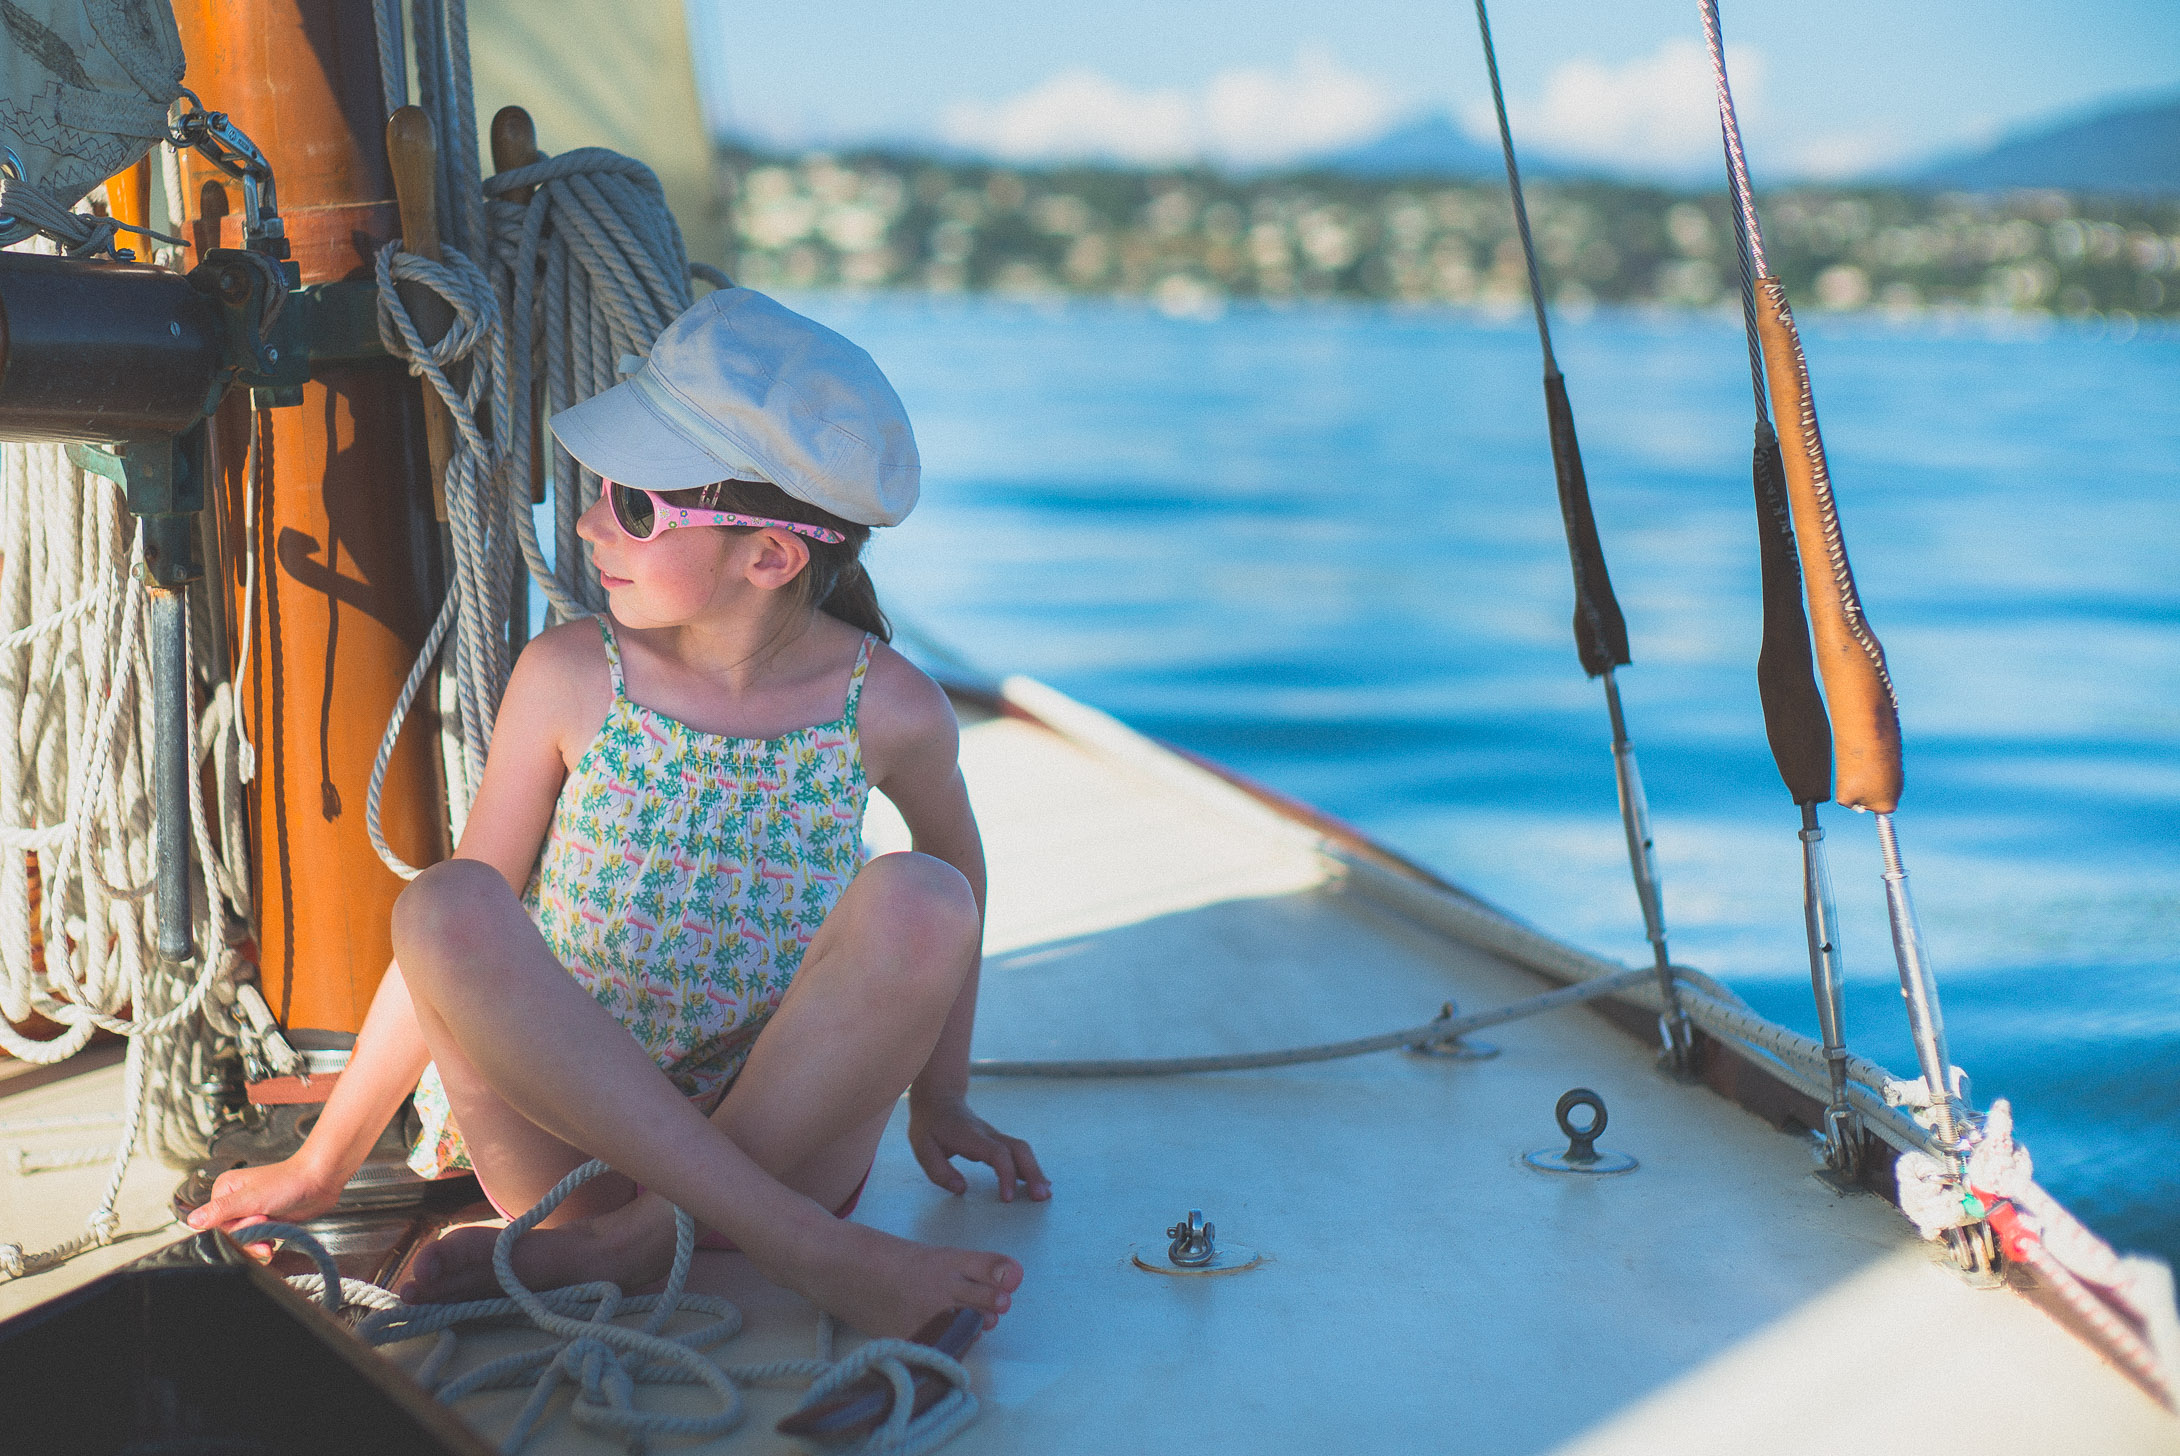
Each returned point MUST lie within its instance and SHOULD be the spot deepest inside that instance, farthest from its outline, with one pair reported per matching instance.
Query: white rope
(606, 1361)
(590, 268)
(80, 234)
(2126, 1301)
(76, 812)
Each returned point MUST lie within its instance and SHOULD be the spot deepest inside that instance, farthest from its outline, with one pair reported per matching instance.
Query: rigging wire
(1599, 628)
(1794, 719)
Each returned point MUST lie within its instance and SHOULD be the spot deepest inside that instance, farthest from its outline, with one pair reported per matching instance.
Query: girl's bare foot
(631, 1246)
(884, 1285)
(880, 1284)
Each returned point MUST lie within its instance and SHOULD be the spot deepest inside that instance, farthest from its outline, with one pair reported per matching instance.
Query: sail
(85, 86)
(627, 83)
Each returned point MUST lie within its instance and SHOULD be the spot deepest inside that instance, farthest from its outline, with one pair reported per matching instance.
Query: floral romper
(681, 882)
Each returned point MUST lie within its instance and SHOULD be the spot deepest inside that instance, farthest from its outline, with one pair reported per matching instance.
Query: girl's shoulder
(905, 717)
(562, 683)
(572, 655)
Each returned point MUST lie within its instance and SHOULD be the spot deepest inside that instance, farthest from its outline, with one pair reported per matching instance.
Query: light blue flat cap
(741, 388)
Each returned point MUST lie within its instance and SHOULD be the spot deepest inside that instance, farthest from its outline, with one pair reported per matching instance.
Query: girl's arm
(506, 827)
(912, 752)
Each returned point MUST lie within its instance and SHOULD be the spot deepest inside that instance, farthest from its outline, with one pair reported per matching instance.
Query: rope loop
(29, 208)
(606, 1360)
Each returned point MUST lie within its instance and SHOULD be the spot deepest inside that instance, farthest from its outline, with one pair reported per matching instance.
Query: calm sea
(1321, 545)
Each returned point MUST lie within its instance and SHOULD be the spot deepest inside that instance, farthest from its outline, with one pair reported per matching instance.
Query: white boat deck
(1423, 1289)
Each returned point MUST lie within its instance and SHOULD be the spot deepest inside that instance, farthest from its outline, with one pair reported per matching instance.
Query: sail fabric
(84, 87)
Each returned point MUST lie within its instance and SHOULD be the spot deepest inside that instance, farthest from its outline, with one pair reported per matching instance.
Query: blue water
(1321, 545)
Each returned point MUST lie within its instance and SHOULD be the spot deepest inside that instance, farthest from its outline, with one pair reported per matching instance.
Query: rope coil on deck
(75, 815)
(606, 1361)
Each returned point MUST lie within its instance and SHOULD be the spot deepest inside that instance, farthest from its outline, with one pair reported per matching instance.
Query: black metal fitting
(104, 351)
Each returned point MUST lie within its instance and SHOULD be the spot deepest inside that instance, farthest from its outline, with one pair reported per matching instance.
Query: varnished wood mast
(347, 549)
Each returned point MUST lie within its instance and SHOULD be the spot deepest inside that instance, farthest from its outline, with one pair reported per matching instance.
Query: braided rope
(606, 1360)
(76, 811)
(80, 234)
(589, 268)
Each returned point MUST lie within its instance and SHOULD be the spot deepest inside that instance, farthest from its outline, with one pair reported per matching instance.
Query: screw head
(175, 329)
(273, 354)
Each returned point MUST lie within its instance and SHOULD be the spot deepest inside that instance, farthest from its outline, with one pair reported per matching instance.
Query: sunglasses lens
(632, 508)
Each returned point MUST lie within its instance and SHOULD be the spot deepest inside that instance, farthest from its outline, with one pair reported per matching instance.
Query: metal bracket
(1452, 1048)
(222, 143)
(278, 334)
(1192, 1246)
(163, 481)
(1190, 1250)
(1582, 1155)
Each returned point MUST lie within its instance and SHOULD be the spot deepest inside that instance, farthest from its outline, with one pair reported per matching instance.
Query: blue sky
(1835, 88)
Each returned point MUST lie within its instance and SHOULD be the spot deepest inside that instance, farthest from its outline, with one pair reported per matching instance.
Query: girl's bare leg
(510, 1029)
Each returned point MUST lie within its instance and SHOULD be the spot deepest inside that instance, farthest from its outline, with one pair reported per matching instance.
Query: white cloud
(1258, 117)
(1251, 116)
(1078, 114)
(1656, 113)
(1846, 155)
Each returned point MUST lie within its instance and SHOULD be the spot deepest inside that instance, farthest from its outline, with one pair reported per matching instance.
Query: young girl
(702, 982)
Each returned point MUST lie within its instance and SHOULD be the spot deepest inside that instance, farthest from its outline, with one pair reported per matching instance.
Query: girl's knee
(922, 897)
(451, 902)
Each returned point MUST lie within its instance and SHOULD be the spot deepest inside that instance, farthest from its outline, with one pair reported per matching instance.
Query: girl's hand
(941, 1127)
(289, 1191)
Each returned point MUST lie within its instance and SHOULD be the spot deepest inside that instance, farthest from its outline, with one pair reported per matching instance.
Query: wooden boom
(1857, 688)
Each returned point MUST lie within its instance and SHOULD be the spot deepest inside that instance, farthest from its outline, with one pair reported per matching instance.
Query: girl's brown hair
(834, 582)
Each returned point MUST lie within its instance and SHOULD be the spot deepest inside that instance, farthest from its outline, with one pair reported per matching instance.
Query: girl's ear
(777, 558)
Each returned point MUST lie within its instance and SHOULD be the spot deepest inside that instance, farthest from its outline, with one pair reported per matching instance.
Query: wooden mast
(348, 569)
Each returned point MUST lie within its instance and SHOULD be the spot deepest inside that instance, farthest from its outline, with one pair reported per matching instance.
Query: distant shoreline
(1937, 321)
(1194, 242)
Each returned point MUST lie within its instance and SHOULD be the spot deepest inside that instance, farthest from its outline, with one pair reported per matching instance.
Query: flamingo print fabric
(682, 879)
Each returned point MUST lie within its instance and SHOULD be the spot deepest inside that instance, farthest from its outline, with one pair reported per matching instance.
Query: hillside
(1192, 240)
(2134, 149)
(1427, 146)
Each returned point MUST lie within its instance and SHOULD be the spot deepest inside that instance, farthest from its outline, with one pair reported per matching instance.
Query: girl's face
(683, 575)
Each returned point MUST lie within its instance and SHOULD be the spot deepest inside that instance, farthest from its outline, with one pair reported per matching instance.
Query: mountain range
(2129, 148)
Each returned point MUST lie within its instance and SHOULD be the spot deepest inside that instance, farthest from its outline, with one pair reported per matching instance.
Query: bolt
(273, 354)
(175, 329)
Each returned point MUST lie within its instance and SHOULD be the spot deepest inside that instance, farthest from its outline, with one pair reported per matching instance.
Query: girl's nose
(597, 523)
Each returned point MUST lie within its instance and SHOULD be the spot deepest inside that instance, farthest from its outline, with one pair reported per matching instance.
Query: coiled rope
(585, 272)
(606, 1360)
(80, 234)
(77, 939)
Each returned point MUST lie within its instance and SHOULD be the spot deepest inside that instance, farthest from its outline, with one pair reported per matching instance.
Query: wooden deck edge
(18, 1076)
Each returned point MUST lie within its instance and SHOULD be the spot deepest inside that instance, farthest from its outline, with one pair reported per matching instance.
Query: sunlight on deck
(1424, 1290)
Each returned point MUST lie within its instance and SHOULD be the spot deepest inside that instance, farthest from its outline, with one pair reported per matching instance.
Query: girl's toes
(1004, 1274)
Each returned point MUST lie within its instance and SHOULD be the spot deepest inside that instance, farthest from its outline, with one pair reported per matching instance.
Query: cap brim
(619, 436)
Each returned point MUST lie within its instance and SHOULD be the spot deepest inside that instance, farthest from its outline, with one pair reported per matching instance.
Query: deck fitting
(1581, 1155)
(1192, 1248)
(1453, 1048)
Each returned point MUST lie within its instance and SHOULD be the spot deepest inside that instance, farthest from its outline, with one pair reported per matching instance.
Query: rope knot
(456, 280)
(11, 1260)
(103, 1224)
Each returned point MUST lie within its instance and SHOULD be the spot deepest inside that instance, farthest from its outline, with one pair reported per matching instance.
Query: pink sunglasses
(644, 513)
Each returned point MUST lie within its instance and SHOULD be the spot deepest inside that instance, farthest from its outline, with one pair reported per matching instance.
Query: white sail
(628, 84)
(84, 87)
